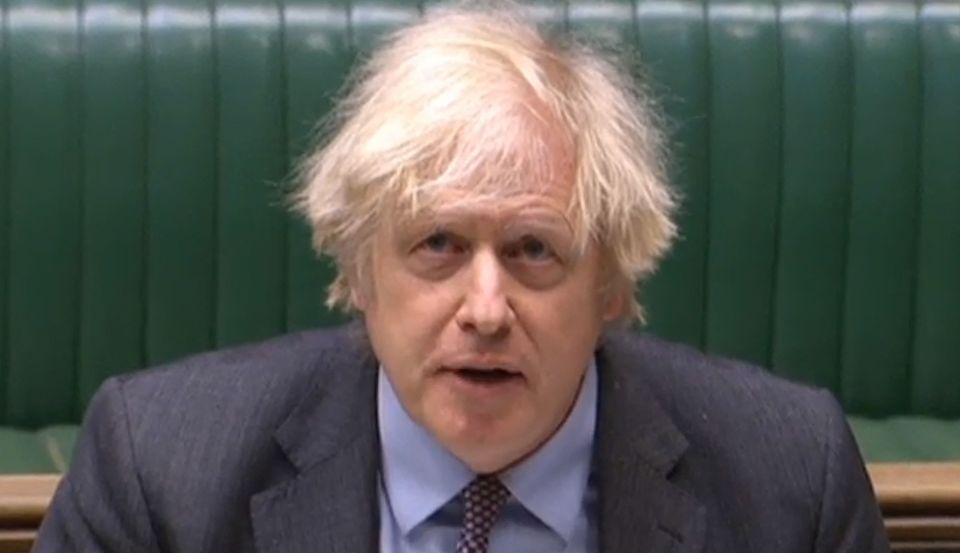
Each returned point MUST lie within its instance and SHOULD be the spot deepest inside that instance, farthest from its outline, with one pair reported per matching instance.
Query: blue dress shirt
(553, 500)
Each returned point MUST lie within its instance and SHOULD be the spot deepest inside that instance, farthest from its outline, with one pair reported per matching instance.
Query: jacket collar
(331, 439)
(637, 453)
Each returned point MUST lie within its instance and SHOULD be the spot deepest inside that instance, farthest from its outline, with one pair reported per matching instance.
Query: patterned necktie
(482, 500)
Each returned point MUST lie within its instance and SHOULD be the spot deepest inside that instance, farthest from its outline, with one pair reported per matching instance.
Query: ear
(357, 298)
(615, 302)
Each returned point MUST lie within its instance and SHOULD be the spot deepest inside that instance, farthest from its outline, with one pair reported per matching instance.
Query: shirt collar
(550, 484)
(410, 453)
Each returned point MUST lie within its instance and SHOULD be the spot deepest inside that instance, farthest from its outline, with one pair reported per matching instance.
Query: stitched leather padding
(145, 149)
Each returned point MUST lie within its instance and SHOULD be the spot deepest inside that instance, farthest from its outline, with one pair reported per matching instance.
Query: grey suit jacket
(273, 448)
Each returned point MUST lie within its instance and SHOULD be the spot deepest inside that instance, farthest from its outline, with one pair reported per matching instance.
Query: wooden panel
(917, 487)
(24, 499)
(16, 541)
(23, 502)
(923, 528)
(926, 547)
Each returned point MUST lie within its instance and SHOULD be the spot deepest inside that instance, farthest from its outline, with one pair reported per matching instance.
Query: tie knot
(483, 499)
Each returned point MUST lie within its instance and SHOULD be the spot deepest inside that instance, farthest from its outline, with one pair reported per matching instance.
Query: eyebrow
(541, 216)
(544, 219)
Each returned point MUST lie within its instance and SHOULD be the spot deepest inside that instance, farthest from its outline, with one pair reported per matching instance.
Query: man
(491, 199)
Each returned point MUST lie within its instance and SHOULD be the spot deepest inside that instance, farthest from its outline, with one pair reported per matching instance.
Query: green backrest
(144, 144)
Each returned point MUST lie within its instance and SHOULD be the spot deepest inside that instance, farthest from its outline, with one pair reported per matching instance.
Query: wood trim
(923, 528)
(16, 541)
(913, 488)
(24, 498)
(926, 547)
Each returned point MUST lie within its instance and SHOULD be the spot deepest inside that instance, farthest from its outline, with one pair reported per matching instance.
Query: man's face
(485, 319)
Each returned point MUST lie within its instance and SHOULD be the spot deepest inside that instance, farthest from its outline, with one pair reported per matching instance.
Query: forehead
(548, 203)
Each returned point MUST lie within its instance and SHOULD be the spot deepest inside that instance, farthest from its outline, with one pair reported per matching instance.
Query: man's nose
(486, 308)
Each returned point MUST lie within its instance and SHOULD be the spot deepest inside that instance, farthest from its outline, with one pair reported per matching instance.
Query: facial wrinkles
(537, 204)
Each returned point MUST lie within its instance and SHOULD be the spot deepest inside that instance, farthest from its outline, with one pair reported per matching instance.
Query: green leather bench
(144, 149)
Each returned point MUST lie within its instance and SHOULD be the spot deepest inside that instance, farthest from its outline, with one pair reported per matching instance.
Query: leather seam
(57, 457)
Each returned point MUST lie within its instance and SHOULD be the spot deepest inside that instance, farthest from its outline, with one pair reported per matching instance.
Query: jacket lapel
(331, 439)
(638, 447)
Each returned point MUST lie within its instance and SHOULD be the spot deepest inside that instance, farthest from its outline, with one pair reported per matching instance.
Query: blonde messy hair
(470, 99)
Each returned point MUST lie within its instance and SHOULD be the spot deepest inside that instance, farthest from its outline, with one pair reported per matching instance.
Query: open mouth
(486, 376)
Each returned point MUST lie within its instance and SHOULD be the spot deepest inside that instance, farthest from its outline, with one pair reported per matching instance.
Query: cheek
(564, 326)
(417, 306)
(406, 317)
(563, 330)
(569, 311)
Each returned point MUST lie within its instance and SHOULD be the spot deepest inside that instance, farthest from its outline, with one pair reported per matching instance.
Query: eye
(440, 243)
(437, 242)
(531, 249)
(535, 249)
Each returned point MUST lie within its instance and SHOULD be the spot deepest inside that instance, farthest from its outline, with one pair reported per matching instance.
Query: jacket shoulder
(742, 423)
(693, 385)
(758, 445)
(248, 377)
(217, 412)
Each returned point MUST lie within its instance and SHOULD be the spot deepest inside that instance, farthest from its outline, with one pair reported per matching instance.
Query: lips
(484, 373)
(491, 375)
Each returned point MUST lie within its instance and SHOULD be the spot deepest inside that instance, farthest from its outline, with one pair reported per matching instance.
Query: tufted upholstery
(144, 147)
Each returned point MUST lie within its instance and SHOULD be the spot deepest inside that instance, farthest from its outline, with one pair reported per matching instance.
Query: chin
(484, 448)
(487, 466)
(486, 460)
